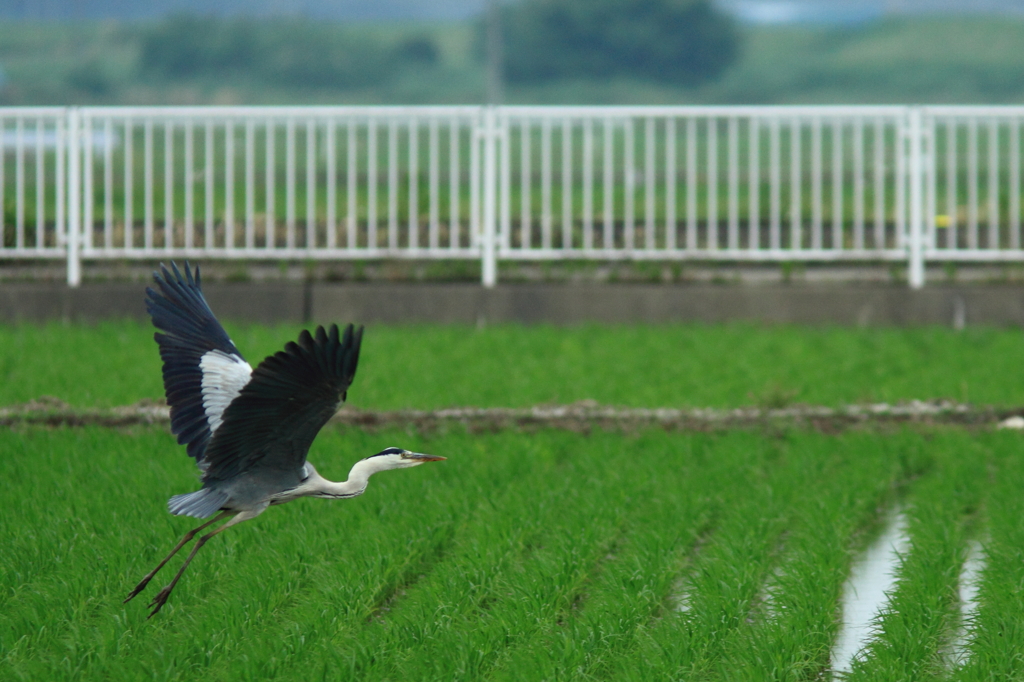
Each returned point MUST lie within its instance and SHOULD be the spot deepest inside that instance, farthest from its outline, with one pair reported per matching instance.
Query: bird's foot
(138, 588)
(158, 601)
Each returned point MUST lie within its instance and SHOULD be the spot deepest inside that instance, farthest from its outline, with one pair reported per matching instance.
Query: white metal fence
(885, 183)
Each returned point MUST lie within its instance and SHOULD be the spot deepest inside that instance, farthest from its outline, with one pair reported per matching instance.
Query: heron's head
(397, 458)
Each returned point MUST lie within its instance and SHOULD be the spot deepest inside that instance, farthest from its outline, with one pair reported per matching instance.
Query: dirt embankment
(581, 416)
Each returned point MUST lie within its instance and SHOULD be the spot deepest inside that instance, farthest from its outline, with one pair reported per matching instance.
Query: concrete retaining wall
(1000, 305)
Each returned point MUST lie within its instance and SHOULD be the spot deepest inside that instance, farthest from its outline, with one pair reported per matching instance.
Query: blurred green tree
(673, 41)
(290, 52)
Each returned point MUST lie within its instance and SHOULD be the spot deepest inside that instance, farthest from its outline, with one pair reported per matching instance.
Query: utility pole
(495, 70)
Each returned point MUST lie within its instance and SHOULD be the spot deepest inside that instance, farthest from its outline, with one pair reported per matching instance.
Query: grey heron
(249, 430)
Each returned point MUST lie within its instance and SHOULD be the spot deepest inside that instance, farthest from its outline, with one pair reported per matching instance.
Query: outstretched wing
(291, 395)
(203, 371)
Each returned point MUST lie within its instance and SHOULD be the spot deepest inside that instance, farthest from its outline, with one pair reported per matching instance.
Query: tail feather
(200, 504)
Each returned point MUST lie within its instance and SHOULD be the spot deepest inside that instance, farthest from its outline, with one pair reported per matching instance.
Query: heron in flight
(249, 430)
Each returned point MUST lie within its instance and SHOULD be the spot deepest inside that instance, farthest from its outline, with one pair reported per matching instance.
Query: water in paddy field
(872, 576)
(970, 578)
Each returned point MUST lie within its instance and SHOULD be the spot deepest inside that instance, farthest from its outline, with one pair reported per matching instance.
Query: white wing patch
(224, 376)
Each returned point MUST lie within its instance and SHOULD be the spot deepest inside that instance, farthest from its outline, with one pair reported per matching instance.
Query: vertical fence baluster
(712, 190)
(993, 182)
(649, 187)
(858, 184)
(929, 175)
(902, 139)
(972, 184)
(311, 240)
(879, 181)
(129, 173)
(351, 187)
(414, 182)
(545, 181)
(3, 186)
(40, 183)
(229, 184)
(250, 184)
(567, 221)
(753, 184)
(270, 183)
(952, 183)
(74, 192)
(168, 184)
(332, 181)
(189, 184)
(525, 180)
(473, 219)
(691, 183)
(1014, 188)
(489, 270)
(670, 183)
(372, 183)
(915, 173)
(208, 242)
(454, 182)
(733, 179)
(147, 183)
(629, 173)
(588, 186)
(816, 184)
(392, 184)
(837, 184)
(775, 190)
(505, 178)
(796, 239)
(608, 168)
(60, 184)
(434, 154)
(19, 185)
(289, 183)
(89, 161)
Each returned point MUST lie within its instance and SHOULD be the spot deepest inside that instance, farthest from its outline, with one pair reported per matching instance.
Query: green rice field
(532, 554)
(436, 366)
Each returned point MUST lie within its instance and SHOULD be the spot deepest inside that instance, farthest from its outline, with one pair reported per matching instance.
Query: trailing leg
(161, 598)
(188, 536)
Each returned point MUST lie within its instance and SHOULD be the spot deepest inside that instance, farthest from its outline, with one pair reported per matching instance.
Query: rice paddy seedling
(434, 366)
(790, 634)
(527, 555)
(995, 646)
(912, 631)
(546, 555)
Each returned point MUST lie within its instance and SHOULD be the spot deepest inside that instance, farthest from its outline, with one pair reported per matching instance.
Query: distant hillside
(934, 60)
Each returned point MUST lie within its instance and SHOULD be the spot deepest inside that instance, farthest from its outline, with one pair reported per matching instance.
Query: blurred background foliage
(682, 42)
(283, 53)
(556, 51)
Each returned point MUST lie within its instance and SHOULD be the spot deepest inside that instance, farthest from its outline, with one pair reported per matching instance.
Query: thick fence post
(489, 264)
(915, 173)
(74, 199)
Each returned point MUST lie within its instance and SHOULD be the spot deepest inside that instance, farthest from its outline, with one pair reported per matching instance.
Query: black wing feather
(292, 394)
(190, 330)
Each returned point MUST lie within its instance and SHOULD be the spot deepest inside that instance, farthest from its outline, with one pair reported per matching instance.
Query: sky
(758, 11)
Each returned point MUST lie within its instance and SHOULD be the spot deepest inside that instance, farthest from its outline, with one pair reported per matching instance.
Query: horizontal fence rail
(515, 183)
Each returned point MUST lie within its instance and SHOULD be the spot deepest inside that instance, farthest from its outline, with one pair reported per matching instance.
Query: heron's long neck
(358, 477)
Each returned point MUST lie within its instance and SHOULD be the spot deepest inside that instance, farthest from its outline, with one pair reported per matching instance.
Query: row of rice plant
(546, 555)
(434, 366)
